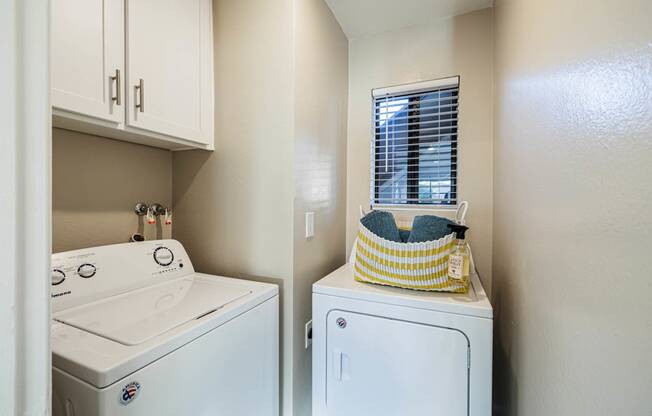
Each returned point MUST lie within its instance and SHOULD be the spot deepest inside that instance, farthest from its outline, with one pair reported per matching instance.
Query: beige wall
(573, 163)
(321, 72)
(233, 207)
(96, 183)
(456, 46)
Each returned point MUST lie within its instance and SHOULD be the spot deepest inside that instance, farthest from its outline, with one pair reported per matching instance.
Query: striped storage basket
(420, 266)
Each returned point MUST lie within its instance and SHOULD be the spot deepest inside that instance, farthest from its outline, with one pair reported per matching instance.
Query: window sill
(429, 208)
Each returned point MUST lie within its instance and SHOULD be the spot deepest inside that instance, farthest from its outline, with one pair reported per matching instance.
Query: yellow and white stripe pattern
(420, 266)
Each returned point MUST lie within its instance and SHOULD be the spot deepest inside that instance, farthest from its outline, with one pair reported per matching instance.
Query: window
(414, 148)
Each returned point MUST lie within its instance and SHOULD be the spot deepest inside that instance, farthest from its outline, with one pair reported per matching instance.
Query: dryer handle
(341, 365)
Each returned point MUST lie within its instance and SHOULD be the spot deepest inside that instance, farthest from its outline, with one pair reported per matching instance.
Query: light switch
(310, 224)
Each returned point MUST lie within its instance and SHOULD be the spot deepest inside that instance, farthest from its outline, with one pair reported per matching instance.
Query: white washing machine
(136, 331)
(385, 351)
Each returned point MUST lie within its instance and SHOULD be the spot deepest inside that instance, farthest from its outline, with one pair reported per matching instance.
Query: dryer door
(379, 366)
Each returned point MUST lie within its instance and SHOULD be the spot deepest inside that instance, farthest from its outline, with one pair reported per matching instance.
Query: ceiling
(367, 17)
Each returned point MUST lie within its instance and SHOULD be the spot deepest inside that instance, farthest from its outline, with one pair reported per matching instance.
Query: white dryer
(385, 351)
(136, 331)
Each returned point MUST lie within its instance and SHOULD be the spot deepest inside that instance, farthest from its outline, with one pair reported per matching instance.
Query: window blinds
(414, 148)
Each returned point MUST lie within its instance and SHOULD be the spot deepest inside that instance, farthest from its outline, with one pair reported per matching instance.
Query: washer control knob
(86, 270)
(58, 277)
(163, 256)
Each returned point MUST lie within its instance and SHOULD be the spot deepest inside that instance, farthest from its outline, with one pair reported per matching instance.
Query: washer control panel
(83, 266)
(81, 276)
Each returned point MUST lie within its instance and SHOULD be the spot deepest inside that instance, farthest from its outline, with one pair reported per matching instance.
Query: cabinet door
(383, 367)
(87, 51)
(169, 60)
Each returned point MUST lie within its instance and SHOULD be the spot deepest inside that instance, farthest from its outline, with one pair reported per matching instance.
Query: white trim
(416, 87)
(25, 208)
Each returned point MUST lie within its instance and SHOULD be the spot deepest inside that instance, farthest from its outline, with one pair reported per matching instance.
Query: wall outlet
(310, 224)
(308, 334)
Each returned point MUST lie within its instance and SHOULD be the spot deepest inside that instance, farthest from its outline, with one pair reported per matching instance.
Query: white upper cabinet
(136, 70)
(170, 72)
(88, 58)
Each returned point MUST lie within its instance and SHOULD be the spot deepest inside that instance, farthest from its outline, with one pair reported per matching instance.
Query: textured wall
(95, 184)
(573, 164)
(462, 46)
(321, 71)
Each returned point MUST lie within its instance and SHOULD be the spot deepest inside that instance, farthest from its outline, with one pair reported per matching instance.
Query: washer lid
(138, 316)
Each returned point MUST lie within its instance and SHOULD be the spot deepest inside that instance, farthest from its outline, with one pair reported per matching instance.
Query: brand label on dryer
(129, 392)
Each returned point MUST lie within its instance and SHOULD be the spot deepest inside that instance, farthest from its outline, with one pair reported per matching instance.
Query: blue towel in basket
(382, 224)
(429, 228)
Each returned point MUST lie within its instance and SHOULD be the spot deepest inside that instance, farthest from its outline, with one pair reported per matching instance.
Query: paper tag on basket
(456, 267)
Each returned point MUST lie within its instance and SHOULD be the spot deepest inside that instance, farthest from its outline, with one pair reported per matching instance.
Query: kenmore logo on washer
(129, 392)
(56, 295)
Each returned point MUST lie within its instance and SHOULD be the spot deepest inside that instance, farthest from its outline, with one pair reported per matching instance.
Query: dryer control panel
(86, 275)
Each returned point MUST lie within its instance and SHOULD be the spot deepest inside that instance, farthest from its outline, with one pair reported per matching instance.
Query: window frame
(412, 185)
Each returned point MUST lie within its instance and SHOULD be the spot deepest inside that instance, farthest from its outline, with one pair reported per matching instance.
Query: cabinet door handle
(118, 88)
(140, 88)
